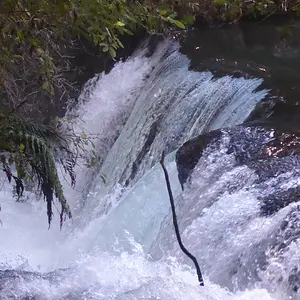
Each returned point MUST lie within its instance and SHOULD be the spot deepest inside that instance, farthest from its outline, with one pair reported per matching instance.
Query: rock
(261, 148)
(243, 183)
(279, 199)
(268, 151)
(189, 154)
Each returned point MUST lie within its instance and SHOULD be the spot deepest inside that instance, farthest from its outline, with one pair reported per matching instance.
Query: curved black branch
(175, 223)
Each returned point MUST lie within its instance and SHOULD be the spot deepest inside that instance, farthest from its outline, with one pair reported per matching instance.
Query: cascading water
(143, 106)
(173, 105)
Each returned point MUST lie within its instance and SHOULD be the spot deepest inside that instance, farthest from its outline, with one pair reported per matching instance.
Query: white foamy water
(143, 106)
(124, 277)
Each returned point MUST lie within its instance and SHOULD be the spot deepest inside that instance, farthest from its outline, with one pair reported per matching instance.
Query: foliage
(31, 148)
(36, 35)
(213, 11)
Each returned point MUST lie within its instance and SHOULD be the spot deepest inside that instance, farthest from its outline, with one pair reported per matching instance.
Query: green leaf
(120, 24)
(22, 147)
(189, 20)
(120, 43)
(112, 52)
(5, 30)
(162, 12)
(34, 42)
(45, 85)
(128, 31)
(105, 49)
(19, 36)
(177, 23)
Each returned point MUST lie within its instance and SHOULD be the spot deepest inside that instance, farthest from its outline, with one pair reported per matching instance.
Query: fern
(33, 149)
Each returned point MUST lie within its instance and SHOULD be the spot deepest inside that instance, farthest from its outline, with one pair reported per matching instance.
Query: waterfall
(120, 244)
(173, 105)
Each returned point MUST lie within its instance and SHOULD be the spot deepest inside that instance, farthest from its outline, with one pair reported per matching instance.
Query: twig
(175, 223)
(24, 101)
(270, 14)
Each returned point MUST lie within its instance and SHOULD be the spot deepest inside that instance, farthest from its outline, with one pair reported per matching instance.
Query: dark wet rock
(189, 154)
(241, 144)
(274, 166)
(269, 152)
(277, 114)
(223, 157)
(279, 199)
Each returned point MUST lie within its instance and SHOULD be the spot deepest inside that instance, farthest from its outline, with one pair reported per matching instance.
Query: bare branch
(175, 223)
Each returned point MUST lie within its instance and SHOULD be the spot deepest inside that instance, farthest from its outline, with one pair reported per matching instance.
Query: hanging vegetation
(31, 149)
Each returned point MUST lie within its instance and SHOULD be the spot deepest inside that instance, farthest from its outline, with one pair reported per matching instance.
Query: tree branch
(175, 223)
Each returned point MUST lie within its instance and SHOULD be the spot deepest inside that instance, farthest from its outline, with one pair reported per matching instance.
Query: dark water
(267, 49)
